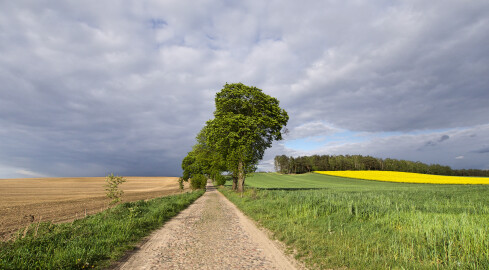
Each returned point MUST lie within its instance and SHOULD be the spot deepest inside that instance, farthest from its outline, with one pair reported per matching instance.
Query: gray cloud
(482, 150)
(311, 129)
(97, 87)
(435, 143)
(411, 68)
(443, 138)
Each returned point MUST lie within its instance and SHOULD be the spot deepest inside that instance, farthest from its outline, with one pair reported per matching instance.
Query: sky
(89, 88)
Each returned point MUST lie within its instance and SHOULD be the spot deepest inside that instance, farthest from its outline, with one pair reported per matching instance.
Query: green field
(364, 224)
(315, 181)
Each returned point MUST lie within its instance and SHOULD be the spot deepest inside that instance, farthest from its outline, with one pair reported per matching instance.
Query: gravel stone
(210, 234)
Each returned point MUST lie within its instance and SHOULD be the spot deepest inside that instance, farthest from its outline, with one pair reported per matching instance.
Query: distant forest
(297, 165)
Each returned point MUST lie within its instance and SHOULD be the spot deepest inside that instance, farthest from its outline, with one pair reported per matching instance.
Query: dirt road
(211, 234)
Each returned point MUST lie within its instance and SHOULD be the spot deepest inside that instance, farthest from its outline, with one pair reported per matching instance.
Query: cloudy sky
(93, 87)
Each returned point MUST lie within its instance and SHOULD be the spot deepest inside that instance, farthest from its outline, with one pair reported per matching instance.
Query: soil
(23, 201)
(211, 234)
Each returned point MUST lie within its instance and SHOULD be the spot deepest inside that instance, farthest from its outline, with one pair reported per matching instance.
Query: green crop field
(314, 180)
(335, 222)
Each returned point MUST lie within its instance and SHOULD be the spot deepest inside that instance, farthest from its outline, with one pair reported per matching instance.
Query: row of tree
(304, 164)
(246, 122)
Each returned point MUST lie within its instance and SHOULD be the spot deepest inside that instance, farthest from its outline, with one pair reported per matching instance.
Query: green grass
(372, 225)
(92, 242)
(314, 180)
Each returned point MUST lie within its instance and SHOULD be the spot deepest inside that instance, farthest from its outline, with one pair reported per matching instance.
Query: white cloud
(28, 173)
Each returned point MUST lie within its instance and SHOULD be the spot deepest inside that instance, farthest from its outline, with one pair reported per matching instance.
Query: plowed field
(23, 201)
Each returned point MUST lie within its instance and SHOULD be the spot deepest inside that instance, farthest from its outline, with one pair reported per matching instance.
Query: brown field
(66, 199)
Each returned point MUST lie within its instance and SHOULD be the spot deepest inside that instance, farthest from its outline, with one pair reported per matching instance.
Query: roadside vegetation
(91, 242)
(198, 181)
(363, 224)
(114, 192)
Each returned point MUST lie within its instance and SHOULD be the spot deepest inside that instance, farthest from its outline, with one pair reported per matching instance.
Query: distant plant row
(304, 164)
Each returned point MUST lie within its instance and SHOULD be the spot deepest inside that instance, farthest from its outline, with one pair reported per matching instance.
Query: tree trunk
(235, 183)
(241, 177)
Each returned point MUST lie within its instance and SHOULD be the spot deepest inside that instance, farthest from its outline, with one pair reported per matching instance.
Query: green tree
(246, 122)
(202, 160)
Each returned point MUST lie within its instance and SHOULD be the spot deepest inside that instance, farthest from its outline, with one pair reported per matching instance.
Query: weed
(114, 193)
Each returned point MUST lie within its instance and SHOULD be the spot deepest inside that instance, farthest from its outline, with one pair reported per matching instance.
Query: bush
(114, 193)
(198, 181)
(220, 180)
(180, 183)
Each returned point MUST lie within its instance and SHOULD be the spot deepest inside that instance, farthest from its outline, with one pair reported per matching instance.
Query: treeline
(297, 165)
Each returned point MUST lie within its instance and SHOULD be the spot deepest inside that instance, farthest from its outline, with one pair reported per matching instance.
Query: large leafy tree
(246, 122)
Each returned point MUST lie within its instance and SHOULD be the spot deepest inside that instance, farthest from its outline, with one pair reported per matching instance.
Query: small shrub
(220, 180)
(112, 187)
(198, 181)
(180, 183)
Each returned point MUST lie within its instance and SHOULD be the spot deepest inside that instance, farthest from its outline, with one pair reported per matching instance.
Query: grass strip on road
(374, 225)
(93, 242)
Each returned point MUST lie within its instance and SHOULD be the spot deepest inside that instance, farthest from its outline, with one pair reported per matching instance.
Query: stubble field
(23, 201)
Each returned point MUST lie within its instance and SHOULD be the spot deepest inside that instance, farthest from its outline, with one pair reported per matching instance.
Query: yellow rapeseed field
(405, 177)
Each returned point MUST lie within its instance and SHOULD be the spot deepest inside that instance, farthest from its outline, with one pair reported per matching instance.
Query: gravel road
(210, 234)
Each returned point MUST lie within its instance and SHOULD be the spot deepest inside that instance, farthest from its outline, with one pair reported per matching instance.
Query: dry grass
(66, 199)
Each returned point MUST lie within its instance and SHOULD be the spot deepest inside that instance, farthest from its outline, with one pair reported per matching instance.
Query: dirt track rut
(211, 234)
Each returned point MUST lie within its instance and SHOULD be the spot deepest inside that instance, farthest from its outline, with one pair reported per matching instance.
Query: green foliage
(288, 165)
(202, 160)
(365, 225)
(94, 241)
(246, 122)
(219, 180)
(180, 183)
(114, 193)
(198, 181)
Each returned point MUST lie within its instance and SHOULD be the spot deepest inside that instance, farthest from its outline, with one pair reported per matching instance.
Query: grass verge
(361, 226)
(92, 242)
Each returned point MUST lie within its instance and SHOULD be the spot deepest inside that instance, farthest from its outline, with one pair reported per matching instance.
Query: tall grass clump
(92, 242)
(410, 226)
